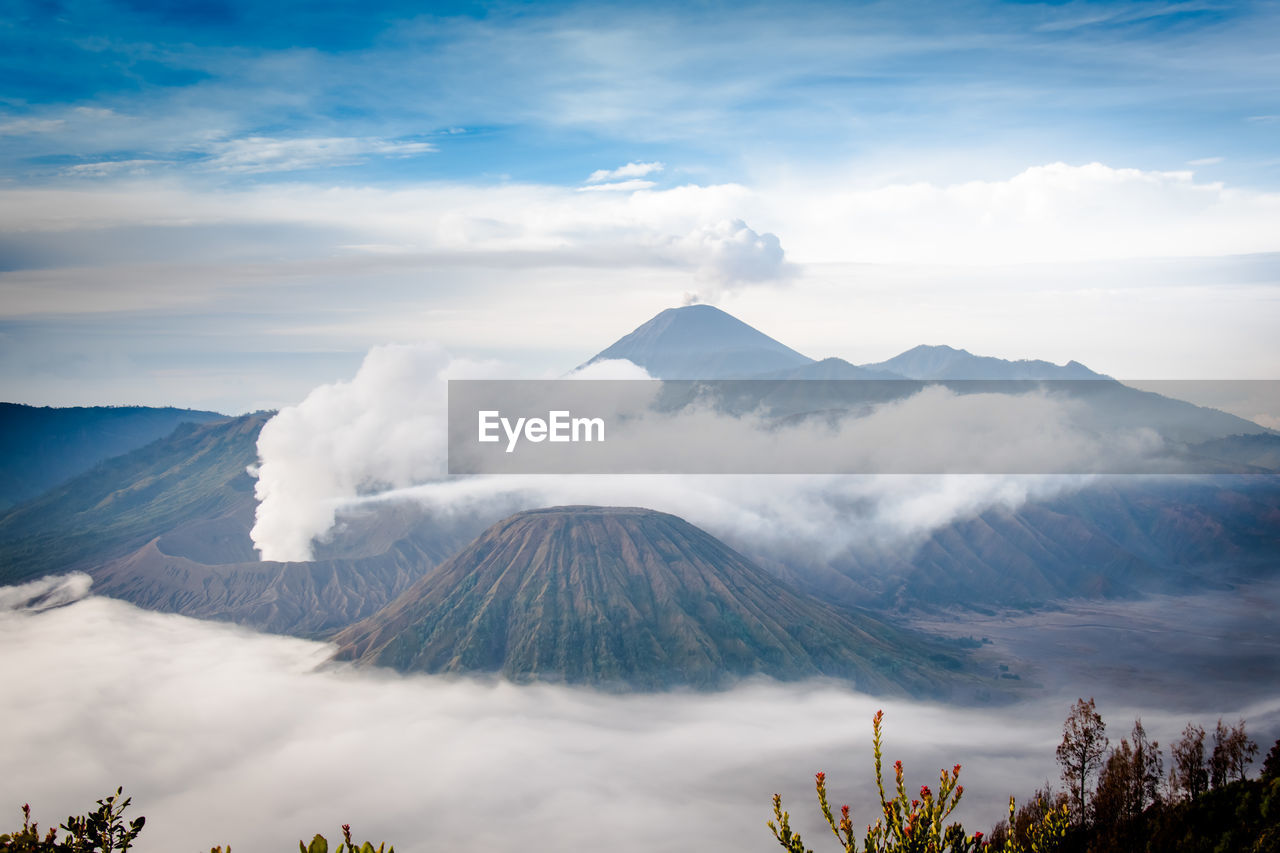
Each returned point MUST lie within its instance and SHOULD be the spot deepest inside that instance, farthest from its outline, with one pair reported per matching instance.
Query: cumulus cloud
(729, 254)
(631, 170)
(267, 154)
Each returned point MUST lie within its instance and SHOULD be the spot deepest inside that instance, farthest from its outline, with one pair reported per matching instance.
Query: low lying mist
(383, 434)
(223, 735)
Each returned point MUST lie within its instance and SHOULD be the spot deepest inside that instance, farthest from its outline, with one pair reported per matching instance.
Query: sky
(223, 205)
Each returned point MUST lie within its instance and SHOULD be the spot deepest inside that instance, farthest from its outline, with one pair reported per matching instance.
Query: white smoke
(728, 255)
(383, 434)
(384, 429)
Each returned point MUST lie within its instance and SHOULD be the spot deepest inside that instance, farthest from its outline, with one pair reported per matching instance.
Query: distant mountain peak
(701, 342)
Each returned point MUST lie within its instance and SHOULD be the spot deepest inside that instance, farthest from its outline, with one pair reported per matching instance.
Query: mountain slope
(829, 369)
(303, 599)
(701, 342)
(1118, 537)
(629, 597)
(166, 527)
(196, 473)
(41, 447)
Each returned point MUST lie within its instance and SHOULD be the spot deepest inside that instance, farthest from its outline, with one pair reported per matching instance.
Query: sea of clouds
(223, 735)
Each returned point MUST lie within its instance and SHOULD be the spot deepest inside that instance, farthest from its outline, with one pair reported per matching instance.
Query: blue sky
(533, 92)
(224, 203)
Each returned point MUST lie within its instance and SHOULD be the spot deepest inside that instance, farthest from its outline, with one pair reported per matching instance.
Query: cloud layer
(383, 435)
(224, 736)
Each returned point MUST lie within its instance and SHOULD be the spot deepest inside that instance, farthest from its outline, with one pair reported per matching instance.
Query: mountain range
(42, 447)
(703, 342)
(634, 597)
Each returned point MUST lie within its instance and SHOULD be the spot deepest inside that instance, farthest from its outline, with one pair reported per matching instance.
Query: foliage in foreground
(1206, 805)
(104, 830)
(915, 825)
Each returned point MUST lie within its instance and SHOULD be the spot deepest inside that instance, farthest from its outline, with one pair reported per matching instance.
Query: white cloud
(23, 126)
(1205, 161)
(631, 170)
(1051, 213)
(729, 254)
(610, 368)
(1073, 16)
(618, 186)
(46, 593)
(267, 154)
(111, 168)
(95, 112)
(224, 736)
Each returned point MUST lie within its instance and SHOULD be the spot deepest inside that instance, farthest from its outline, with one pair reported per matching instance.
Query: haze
(226, 736)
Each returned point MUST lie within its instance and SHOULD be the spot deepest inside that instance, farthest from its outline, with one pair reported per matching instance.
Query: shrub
(914, 825)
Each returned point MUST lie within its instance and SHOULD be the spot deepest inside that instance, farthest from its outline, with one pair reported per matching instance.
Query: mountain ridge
(46, 446)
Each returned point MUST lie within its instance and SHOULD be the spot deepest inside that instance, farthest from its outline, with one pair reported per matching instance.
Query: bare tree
(1148, 768)
(1128, 782)
(1271, 764)
(1220, 758)
(1189, 774)
(1233, 751)
(1114, 804)
(1084, 742)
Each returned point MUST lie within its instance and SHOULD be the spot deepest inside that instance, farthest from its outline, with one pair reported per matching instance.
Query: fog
(384, 434)
(225, 736)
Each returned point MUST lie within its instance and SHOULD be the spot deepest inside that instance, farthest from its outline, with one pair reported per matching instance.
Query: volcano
(702, 342)
(629, 598)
